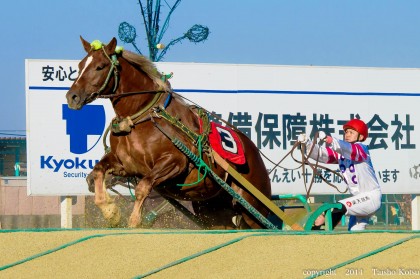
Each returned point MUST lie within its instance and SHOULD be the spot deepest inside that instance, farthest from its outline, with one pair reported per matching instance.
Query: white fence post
(415, 213)
(66, 212)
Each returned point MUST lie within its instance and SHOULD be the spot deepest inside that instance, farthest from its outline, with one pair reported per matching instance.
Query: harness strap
(160, 112)
(135, 118)
(200, 140)
(256, 193)
(125, 124)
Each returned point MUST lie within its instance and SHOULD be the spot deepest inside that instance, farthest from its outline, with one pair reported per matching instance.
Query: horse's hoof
(237, 220)
(133, 223)
(112, 213)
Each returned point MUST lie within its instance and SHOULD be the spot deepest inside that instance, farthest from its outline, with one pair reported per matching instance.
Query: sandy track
(220, 254)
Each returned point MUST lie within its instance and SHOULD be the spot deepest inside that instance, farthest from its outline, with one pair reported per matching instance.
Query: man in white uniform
(356, 167)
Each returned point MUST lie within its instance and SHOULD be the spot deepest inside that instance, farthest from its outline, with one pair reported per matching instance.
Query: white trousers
(360, 207)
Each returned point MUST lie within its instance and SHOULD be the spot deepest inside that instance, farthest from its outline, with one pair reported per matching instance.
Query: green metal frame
(312, 214)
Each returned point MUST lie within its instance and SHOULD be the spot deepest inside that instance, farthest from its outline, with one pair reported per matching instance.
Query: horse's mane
(147, 67)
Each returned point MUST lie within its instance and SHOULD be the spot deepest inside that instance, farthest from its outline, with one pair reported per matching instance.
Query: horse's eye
(100, 67)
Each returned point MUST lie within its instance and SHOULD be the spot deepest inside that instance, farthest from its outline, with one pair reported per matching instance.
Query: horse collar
(124, 125)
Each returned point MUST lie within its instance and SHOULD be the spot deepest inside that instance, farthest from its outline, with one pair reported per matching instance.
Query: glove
(302, 138)
(322, 136)
(328, 140)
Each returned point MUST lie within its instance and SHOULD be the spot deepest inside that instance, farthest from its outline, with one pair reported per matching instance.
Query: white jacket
(354, 162)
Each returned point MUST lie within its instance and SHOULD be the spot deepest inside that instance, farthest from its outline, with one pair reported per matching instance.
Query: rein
(126, 124)
(314, 166)
(124, 94)
(304, 161)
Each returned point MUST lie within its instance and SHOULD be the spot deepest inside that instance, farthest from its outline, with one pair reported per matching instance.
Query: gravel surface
(222, 254)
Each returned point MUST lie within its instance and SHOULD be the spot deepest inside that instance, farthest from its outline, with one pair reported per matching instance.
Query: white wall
(272, 97)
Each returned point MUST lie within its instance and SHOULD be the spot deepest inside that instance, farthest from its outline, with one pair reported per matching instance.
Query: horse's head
(97, 73)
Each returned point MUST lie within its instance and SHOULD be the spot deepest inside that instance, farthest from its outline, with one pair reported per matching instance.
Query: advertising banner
(271, 104)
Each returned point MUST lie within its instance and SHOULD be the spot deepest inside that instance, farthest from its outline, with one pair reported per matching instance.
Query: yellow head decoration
(96, 44)
(118, 49)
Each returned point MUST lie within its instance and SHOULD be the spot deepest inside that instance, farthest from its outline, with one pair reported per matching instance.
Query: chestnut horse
(142, 147)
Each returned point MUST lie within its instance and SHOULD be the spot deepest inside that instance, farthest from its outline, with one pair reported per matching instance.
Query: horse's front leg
(162, 171)
(103, 200)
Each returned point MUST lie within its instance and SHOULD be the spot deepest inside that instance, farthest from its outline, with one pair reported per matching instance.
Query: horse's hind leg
(142, 190)
(162, 171)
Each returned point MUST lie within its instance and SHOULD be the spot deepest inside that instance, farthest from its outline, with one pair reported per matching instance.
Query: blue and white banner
(271, 104)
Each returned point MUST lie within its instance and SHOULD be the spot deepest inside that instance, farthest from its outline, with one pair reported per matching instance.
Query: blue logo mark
(82, 124)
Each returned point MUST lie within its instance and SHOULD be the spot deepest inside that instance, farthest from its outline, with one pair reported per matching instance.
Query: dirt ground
(119, 253)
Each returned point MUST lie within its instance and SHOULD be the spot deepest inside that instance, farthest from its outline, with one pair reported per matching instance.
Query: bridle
(131, 120)
(112, 70)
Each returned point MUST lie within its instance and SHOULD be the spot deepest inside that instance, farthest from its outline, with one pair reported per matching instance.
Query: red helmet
(359, 126)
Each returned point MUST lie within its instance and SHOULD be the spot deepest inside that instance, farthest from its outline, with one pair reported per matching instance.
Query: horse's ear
(110, 47)
(85, 44)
